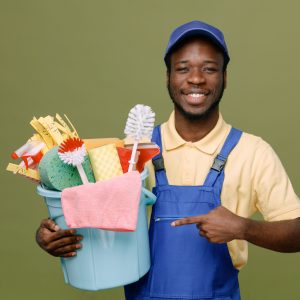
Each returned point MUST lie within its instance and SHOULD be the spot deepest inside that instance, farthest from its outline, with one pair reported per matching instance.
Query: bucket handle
(150, 198)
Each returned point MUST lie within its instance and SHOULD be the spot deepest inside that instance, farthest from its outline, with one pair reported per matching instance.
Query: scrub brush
(140, 123)
(72, 152)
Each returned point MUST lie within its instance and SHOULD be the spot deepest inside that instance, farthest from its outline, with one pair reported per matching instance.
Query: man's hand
(218, 226)
(56, 241)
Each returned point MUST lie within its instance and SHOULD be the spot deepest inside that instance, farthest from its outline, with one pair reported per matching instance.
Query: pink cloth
(112, 204)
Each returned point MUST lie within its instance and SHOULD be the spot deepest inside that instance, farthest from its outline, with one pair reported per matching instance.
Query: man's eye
(182, 69)
(209, 70)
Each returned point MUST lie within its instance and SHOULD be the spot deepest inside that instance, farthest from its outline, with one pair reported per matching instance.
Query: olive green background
(94, 60)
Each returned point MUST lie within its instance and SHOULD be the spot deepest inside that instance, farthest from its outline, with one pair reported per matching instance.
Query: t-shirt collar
(209, 144)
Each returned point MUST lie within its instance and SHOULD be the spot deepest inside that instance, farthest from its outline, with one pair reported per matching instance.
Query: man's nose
(196, 77)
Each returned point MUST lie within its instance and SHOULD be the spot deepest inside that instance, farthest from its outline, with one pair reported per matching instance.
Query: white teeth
(196, 95)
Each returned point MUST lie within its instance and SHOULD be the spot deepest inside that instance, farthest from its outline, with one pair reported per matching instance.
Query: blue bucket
(107, 259)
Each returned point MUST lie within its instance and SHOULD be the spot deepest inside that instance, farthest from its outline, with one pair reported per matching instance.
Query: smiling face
(196, 79)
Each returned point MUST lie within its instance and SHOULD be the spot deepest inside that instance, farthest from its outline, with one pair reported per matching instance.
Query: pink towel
(112, 204)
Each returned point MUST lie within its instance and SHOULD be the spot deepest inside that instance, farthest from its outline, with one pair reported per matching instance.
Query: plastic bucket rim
(44, 192)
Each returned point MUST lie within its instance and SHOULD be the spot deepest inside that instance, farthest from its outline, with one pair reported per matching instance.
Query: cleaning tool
(56, 175)
(145, 153)
(38, 137)
(105, 162)
(30, 153)
(29, 173)
(72, 152)
(140, 123)
(124, 157)
(111, 204)
(50, 132)
(62, 125)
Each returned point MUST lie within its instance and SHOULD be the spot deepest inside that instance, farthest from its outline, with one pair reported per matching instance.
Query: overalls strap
(158, 160)
(220, 160)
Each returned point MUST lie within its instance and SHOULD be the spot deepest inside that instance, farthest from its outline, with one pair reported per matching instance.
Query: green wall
(94, 60)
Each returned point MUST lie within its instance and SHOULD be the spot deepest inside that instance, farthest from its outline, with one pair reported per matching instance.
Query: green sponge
(57, 175)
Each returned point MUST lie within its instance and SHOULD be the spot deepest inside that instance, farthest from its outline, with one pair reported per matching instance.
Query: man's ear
(167, 78)
(225, 79)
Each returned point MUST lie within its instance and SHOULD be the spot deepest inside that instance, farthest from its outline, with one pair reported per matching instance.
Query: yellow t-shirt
(255, 179)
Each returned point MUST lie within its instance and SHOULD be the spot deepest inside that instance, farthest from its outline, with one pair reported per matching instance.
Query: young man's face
(196, 80)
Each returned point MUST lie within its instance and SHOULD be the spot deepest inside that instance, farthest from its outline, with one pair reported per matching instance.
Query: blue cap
(195, 28)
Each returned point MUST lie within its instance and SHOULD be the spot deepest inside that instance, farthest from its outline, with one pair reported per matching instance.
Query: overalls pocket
(178, 264)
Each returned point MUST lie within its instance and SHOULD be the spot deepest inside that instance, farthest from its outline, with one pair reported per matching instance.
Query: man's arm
(221, 226)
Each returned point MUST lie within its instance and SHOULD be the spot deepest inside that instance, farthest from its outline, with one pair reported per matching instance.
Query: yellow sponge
(105, 162)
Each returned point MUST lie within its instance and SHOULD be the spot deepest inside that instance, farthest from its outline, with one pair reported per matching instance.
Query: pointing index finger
(188, 220)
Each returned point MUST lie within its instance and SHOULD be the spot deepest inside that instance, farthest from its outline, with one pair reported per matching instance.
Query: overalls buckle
(219, 163)
(158, 164)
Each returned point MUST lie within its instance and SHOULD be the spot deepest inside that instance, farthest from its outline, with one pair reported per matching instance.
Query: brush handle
(82, 174)
(133, 154)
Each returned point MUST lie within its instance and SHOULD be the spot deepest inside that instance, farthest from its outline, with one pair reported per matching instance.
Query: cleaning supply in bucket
(57, 175)
(29, 173)
(30, 153)
(53, 131)
(72, 152)
(105, 162)
(50, 133)
(139, 124)
(111, 204)
(144, 155)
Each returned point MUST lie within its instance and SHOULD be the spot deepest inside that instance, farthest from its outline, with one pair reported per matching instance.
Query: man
(209, 174)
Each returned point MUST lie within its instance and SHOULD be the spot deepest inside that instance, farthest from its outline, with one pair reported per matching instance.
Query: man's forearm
(282, 236)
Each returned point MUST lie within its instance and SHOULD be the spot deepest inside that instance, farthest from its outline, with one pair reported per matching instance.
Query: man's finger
(67, 250)
(72, 240)
(202, 233)
(69, 254)
(189, 220)
(62, 233)
(50, 225)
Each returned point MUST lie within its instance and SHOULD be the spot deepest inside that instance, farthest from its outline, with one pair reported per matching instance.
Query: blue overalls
(185, 265)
